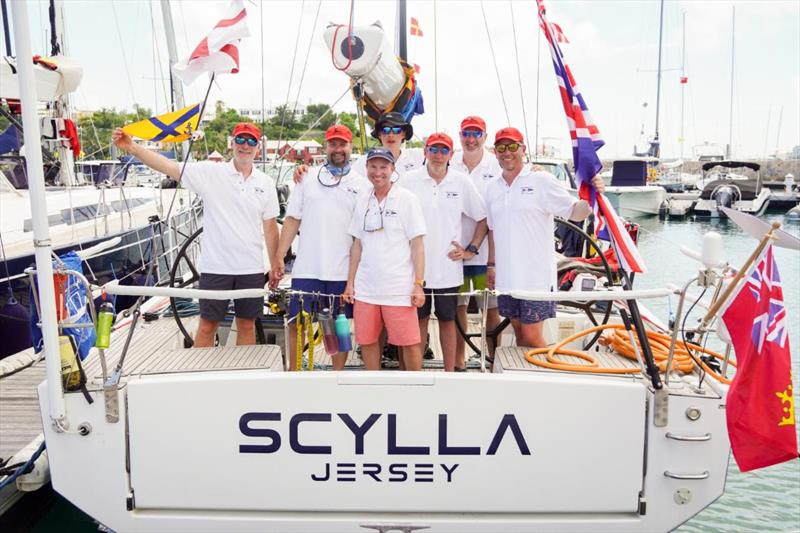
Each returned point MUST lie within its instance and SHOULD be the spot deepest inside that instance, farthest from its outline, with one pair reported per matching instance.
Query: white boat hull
(259, 450)
(636, 201)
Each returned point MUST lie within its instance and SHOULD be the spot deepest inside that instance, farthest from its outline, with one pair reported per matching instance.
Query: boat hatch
(260, 440)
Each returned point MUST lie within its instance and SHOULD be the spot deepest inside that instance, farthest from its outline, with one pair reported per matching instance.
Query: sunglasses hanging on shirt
(333, 175)
(373, 216)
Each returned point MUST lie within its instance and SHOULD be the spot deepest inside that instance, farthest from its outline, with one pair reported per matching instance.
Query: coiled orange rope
(619, 341)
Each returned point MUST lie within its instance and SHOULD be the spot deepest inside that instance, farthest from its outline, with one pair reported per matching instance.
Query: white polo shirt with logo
(443, 205)
(521, 219)
(487, 170)
(385, 274)
(410, 159)
(324, 206)
(233, 210)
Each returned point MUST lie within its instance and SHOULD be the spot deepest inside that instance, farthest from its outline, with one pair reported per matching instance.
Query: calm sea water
(764, 500)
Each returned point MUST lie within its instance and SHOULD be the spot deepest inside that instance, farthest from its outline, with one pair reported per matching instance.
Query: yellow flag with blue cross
(176, 126)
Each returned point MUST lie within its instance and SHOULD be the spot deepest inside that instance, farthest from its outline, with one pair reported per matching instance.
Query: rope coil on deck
(683, 360)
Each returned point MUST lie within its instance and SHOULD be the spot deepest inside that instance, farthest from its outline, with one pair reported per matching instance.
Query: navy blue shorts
(525, 311)
(316, 304)
(215, 310)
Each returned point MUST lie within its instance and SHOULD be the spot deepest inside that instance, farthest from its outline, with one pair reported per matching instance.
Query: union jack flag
(586, 140)
(765, 282)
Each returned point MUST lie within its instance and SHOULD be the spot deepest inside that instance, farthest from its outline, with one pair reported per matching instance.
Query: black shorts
(215, 310)
(444, 306)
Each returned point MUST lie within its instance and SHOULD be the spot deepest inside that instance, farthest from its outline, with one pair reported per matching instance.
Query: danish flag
(414, 28)
(218, 52)
(759, 405)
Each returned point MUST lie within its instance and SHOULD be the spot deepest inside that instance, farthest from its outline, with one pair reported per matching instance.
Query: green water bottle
(105, 317)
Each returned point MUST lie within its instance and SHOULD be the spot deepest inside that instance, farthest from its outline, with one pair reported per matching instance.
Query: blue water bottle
(343, 333)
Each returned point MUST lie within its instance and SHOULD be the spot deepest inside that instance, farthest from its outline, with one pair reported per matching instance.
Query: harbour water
(760, 501)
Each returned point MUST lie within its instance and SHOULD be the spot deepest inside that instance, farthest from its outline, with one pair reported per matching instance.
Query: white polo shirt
(410, 159)
(324, 206)
(233, 210)
(443, 205)
(521, 218)
(385, 274)
(487, 169)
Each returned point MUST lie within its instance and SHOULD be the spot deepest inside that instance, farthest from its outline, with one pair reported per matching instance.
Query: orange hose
(619, 341)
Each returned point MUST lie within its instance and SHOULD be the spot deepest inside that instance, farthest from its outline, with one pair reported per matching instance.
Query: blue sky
(612, 54)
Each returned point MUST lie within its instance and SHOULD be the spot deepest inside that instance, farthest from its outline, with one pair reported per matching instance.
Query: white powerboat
(742, 191)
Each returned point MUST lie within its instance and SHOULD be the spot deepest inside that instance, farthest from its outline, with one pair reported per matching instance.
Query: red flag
(416, 68)
(219, 51)
(760, 405)
(414, 28)
(684, 80)
(559, 34)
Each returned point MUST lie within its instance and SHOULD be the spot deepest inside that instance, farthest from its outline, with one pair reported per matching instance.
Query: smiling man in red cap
(521, 206)
(323, 204)
(240, 206)
(481, 166)
(446, 196)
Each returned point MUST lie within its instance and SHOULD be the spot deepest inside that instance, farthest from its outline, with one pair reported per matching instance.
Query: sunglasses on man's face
(249, 140)
(386, 130)
(500, 148)
(477, 134)
(444, 150)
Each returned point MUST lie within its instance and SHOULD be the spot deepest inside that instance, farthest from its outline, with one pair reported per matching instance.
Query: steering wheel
(586, 307)
(186, 254)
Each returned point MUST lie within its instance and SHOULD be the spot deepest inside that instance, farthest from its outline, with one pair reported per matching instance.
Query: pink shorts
(401, 322)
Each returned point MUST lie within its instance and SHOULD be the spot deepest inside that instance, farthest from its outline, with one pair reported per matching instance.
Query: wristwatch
(472, 248)
(420, 282)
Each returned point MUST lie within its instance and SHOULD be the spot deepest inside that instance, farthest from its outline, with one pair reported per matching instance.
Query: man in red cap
(481, 166)
(323, 204)
(521, 206)
(240, 206)
(446, 196)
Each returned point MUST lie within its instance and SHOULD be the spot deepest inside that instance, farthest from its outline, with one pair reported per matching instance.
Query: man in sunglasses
(322, 205)
(521, 206)
(240, 206)
(446, 196)
(387, 265)
(481, 166)
(392, 130)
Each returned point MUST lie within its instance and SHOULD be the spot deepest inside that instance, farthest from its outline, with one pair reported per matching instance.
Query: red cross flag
(218, 52)
(414, 28)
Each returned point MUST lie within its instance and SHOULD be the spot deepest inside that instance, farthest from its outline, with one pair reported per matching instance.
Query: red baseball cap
(510, 134)
(439, 138)
(339, 131)
(473, 121)
(247, 128)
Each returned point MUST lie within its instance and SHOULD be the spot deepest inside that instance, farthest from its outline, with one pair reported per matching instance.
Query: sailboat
(223, 439)
(89, 202)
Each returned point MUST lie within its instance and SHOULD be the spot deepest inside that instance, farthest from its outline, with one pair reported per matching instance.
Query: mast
(63, 106)
(729, 151)
(656, 147)
(176, 88)
(6, 33)
(683, 83)
(401, 35)
(41, 230)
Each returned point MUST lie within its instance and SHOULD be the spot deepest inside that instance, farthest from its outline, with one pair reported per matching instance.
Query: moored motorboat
(629, 192)
(742, 191)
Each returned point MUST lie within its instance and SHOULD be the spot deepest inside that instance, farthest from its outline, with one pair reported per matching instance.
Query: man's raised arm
(154, 160)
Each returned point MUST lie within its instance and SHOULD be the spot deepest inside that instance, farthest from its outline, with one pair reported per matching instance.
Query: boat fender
(663, 209)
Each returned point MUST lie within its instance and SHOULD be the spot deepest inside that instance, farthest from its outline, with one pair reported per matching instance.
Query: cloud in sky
(612, 53)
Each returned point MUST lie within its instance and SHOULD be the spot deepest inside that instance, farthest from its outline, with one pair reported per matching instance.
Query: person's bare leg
(423, 333)
(340, 359)
(412, 356)
(492, 321)
(447, 338)
(206, 329)
(371, 355)
(461, 344)
(532, 335)
(245, 331)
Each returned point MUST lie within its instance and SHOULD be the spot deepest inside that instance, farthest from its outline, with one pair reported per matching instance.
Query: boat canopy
(629, 173)
(731, 164)
(55, 77)
(748, 189)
